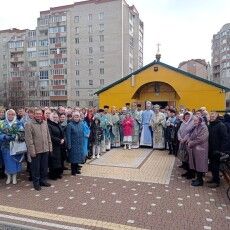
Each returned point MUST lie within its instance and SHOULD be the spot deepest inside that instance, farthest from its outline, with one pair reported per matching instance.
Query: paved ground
(95, 200)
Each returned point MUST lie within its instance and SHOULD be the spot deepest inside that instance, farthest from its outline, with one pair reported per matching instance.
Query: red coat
(127, 126)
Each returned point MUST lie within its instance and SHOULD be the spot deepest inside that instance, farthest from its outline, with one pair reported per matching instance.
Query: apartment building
(12, 67)
(198, 67)
(221, 56)
(74, 51)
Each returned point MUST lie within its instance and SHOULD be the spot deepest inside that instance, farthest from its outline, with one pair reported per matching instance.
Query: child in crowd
(96, 137)
(127, 128)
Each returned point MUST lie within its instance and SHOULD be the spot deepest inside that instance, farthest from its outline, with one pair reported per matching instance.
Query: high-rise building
(221, 56)
(74, 51)
(198, 67)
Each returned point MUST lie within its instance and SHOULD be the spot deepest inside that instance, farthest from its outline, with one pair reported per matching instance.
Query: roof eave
(166, 66)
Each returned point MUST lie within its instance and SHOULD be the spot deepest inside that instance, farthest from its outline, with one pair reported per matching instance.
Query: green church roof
(168, 67)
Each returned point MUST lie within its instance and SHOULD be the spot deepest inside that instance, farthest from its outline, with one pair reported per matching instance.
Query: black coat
(56, 135)
(227, 124)
(218, 138)
(96, 134)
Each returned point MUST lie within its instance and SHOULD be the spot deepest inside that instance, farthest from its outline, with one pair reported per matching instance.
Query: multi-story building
(75, 50)
(198, 67)
(12, 67)
(221, 56)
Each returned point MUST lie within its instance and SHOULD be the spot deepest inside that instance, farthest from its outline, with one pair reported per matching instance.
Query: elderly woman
(9, 130)
(57, 138)
(197, 146)
(183, 135)
(75, 133)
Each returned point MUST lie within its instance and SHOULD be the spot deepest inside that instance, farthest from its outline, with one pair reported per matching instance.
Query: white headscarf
(15, 117)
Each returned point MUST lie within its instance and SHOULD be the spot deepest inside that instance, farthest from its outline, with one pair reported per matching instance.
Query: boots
(129, 146)
(185, 174)
(14, 178)
(191, 174)
(125, 147)
(8, 178)
(199, 180)
(73, 169)
(78, 169)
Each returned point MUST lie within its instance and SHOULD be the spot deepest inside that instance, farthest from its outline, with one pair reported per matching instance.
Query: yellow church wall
(191, 93)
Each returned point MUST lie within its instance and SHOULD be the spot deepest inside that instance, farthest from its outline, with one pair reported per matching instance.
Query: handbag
(17, 148)
(182, 153)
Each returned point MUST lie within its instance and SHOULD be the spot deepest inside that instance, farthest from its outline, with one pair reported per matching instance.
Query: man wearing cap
(146, 133)
(158, 123)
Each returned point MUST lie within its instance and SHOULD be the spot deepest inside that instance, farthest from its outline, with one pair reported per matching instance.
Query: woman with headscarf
(10, 129)
(57, 138)
(197, 145)
(75, 133)
(183, 135)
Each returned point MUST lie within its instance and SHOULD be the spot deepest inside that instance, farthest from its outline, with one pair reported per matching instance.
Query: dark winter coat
(227, 124)
(56, 135)
(217, 137)
(96, 134)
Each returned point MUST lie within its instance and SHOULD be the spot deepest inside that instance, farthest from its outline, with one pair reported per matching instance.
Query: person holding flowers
(11, 130)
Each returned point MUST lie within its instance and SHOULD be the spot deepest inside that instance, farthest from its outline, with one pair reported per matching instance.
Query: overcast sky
(184, 28)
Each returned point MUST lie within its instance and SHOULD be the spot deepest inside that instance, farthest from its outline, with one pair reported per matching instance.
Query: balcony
(58, 77)
(20, 49)
(58, 66)
(58, 87)
(60, 55)
(58, 98)
(17, 59)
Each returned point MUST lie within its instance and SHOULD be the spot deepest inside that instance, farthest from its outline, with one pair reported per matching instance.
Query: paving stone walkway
(96, 200)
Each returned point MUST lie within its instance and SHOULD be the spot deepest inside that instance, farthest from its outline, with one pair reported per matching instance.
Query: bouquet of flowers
(15, 130)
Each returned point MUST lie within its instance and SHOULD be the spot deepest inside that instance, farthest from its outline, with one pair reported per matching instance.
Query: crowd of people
(47, 138)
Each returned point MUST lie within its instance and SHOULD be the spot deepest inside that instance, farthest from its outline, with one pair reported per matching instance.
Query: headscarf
(15, 117)
(186, 127)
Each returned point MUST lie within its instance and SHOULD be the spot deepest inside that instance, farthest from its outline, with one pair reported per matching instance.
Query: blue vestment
(146, 132)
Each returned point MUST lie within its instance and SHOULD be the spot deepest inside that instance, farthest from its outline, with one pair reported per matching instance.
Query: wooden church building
(164, 85)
